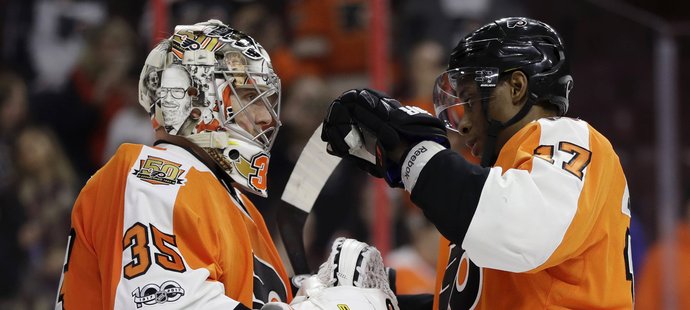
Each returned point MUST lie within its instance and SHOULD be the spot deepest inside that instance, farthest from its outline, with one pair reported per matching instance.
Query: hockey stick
(313, 168)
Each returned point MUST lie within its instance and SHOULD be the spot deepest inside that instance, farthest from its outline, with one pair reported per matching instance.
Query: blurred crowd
(68, 98)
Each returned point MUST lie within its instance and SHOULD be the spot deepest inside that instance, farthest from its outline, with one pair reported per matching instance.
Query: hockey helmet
(503, 46)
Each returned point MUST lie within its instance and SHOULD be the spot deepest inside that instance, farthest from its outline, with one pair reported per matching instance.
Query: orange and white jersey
(156, 228)
(550, 230)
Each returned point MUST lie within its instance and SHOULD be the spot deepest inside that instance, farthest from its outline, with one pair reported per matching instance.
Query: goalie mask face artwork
(230, 105)
(173, 100)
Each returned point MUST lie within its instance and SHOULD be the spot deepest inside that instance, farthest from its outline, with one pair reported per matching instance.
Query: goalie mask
(215, 86)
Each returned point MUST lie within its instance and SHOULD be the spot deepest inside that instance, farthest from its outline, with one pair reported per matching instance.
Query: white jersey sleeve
(524, 211)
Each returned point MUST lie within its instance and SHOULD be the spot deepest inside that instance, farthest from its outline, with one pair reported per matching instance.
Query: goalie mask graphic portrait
(215, 86)
(173, 100)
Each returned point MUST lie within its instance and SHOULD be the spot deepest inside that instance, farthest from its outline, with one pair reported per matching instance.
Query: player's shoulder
(562, 124)
(165, 153)
(561, 120)
(128, 154)
(166, 163)
(127, 150)
(562, 129)
(123, 158)
(548, 131)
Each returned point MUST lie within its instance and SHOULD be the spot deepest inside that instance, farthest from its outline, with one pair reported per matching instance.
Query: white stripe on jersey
(522, 217)
(625, 202)
(153, 204)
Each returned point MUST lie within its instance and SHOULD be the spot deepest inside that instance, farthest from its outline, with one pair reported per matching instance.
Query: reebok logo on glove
(410, 163)
(412, 110)
(415, 160)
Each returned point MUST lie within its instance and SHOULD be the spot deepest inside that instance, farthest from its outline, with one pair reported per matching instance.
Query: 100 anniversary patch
(159, 171)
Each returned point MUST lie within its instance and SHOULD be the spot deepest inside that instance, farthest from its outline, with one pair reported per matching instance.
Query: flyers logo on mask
(159, 171)
(187, 40)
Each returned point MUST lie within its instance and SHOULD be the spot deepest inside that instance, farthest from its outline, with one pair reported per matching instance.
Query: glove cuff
(415, 161)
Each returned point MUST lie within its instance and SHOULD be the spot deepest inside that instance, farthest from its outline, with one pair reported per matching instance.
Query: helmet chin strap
(489, 154)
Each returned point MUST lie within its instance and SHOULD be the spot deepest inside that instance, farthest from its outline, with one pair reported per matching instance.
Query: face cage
(265, 137)
(448, 104)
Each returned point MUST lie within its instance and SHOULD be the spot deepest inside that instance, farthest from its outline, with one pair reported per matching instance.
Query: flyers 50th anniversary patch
(159, 171)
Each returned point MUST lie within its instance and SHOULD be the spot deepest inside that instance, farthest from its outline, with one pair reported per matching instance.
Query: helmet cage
(268, 96)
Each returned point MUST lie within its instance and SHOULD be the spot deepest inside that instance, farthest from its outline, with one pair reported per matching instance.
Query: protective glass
(458, 90)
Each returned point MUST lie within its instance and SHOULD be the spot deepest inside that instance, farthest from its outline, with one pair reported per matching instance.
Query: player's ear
(518, 87)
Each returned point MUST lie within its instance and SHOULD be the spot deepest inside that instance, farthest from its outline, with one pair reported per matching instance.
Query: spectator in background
(81, 113)
(46, 188)
(12, 117)
(426, 62)
(130, 124)
(649, 285)
(57, 37)
(13, 106)
(304, 108)
(415, 263)
(186, 12)
(268, 28)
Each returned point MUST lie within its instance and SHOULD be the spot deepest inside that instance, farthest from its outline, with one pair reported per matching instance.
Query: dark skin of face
(509, 96)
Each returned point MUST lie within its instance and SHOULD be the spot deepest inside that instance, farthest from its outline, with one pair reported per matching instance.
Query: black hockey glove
(369, 127)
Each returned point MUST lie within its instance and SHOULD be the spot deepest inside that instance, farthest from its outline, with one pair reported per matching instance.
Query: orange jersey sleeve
(550, 229)
(155, 227)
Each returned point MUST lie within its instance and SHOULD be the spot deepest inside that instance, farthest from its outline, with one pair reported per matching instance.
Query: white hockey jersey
(155, 226)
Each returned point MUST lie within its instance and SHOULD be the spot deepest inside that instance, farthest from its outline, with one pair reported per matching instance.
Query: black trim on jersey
(415, 302)
(448, 191)
(241, 307)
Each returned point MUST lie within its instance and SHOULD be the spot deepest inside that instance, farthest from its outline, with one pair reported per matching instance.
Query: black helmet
(519, 43)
